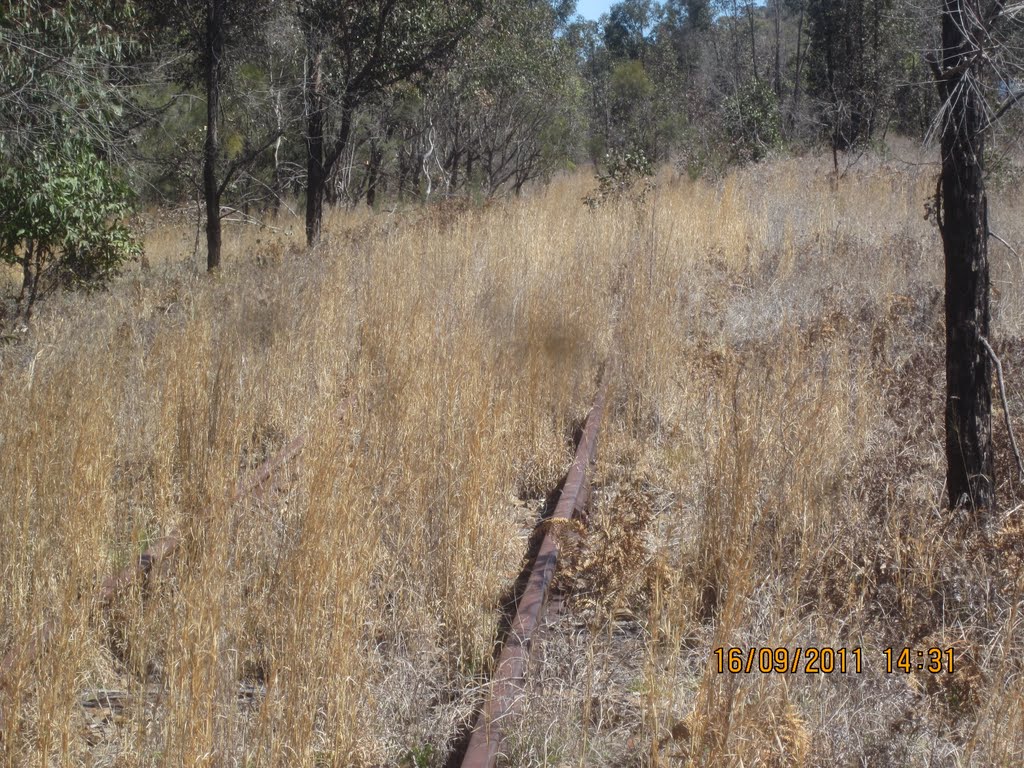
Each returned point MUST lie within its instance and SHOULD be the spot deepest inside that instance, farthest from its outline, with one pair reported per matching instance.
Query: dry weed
(770, 476)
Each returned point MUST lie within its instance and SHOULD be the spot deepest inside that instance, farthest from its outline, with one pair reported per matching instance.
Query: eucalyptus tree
(355, 50)
(512, 106)
(973, 68)
(63, 200)
(625, 31)
(642, 78)
(853, 59)
(214, 35)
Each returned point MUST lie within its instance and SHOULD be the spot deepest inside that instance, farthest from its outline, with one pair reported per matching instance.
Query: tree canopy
(253, 105)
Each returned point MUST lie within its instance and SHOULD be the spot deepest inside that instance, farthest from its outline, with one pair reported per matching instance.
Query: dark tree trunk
(454, 167)
(778, 52)
(37, 276)
(316, 175)
(798, 78)
(211, 191)
(332, 186)
(402, 173)
(319, 162)
(753, 41)
(376, 161)
(417, 171)
(737, 44)
(29, 282)
(26, 272)
(964, 228)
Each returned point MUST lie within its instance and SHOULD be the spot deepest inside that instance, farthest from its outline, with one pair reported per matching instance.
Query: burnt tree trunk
(319, 161)
(402, 173)
(29, 282)
(316, 174)
(211, 149)
(376, 161)
(964, 228)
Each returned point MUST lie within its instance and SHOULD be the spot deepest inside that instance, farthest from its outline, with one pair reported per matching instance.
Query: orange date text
(809, 661)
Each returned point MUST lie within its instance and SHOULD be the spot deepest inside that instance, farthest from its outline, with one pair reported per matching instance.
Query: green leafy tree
(625, 33)
(211, 32)
(636, 81)
(61, 199)
(853, 64)
(752, 122)
(63, 220)
(622, 176)
(631, 93)
(355, 51)
(519, 96)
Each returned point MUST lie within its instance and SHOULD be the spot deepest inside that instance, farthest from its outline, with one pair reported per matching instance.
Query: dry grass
(771, 476)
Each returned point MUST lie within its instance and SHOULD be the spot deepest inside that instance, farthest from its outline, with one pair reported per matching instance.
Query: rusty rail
(139, 570)
(487, 739)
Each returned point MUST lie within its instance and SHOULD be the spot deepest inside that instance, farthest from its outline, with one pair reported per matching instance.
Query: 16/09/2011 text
(826, 661)
(783, 660)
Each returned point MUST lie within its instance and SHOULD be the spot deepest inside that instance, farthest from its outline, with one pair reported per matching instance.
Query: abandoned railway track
(507, 685)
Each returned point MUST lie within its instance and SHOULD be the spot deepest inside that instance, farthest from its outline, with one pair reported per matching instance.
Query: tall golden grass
(774, 450)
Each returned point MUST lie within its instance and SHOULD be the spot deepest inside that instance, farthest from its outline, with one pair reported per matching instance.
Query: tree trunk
(278, 182)
(29, 280)
(753, 41)
(316, 175)
(778, 52)
(417, 171)
(964, 228)
(402, 172)
(376, 163)
(737, 45)
(37, 275)
(211, 193)
(454, 158)
(454, 166)
(797, 79)
(319, 162)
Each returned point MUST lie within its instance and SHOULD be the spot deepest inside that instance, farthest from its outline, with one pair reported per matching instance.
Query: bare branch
(247, 159)
(1006, 407)
(1004, 108)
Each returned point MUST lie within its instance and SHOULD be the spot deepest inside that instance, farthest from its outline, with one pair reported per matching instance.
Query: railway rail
(508, 683)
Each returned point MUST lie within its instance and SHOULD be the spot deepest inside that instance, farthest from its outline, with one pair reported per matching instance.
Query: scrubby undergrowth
(770, 476)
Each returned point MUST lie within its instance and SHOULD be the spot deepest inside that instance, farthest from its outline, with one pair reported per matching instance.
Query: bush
(62, 212)
(752, 123)
(626, 175)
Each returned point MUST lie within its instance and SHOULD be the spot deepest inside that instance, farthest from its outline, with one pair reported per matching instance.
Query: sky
(592, 9)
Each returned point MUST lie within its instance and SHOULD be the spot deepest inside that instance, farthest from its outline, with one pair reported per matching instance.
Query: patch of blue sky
(592, 9)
